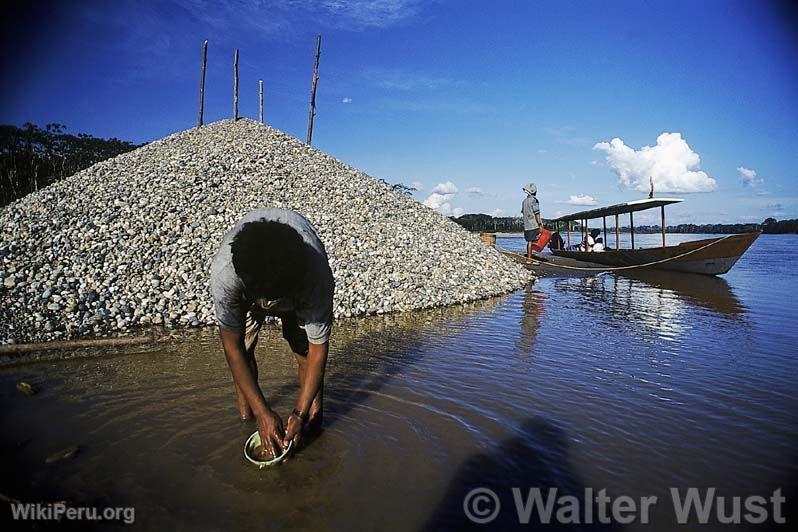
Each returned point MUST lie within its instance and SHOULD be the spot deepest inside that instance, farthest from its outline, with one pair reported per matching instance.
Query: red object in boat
(542, 240)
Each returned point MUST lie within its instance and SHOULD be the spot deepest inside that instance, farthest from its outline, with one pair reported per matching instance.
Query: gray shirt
(313, 301)
(529, 208)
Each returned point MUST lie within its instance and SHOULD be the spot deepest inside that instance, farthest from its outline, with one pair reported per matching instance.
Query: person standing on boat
(530, 210)
(272, 263)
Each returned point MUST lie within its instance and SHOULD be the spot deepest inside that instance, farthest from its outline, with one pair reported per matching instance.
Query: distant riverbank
(484, 223)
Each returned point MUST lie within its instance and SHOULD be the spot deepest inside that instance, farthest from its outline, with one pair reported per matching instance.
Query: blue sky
(469, 100)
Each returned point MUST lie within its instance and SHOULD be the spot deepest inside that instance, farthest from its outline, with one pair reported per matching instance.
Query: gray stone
(136, 234)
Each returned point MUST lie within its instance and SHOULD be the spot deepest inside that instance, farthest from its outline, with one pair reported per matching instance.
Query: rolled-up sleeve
(317, 314)
(228, 302)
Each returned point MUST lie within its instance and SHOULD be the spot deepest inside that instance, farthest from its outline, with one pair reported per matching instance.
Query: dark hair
(271, 258)
(595, 232)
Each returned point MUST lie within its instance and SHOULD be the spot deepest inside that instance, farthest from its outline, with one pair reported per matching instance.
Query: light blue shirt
(529, 208)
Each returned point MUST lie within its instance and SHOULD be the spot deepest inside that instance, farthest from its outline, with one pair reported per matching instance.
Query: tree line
(32, 157)
(488, 223)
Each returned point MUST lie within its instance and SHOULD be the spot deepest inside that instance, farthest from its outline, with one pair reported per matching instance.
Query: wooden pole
(662, 216)
(202, 83)
(312, 112)
(604, 221)
(617, 234)
(260, 94)
(585, 233)
(632, 224)
(20, 349)
(568, 232)
(235, 86)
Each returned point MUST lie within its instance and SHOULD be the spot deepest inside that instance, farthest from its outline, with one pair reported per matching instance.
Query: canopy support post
(662, 213)
(632, 226)
(584, 226)
(568, 232)
(604, 221)
(617, 234)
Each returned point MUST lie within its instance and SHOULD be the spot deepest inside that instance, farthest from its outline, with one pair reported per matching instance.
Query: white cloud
(477, 192)
(399, 79)
(457, 212)
(567, 135)
(346, 100)
(582, 199)
(672, 164)
(418, 185)
(445, 188)
(441, 197)
(748, 177)
(368, 13)
(497, 212)
(439, 202)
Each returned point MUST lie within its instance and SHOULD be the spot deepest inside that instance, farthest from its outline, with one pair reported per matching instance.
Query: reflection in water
(662, 302)
(531, 316)
(713, 293)
(625, 383)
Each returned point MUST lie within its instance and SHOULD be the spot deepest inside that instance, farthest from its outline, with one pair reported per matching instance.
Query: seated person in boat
(530, 209)
(588, 243)
(598, 246)
(556, 241)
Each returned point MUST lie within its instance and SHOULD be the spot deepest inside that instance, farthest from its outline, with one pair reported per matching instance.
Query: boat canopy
(621, 208)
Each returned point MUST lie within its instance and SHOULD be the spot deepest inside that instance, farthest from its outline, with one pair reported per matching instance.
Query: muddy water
(631, 384)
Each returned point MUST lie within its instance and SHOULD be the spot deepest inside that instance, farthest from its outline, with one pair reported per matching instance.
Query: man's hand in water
(270, 428)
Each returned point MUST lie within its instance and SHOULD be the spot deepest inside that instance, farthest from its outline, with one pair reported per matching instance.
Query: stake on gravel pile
(202, 82)
(260, 93)
(313, 91)
(235, 87)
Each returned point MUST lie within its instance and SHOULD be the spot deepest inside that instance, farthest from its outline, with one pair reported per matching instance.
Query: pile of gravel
(129, 241)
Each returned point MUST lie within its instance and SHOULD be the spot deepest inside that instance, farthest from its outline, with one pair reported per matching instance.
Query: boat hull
(712, 256)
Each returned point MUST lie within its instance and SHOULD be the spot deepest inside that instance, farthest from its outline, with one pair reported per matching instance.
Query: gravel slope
(128, 242)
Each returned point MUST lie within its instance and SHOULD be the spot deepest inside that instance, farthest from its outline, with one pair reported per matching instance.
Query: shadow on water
(537, 457)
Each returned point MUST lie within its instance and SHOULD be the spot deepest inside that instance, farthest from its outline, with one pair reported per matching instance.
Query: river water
(633, 385)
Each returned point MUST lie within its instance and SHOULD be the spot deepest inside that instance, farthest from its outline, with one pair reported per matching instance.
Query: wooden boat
(712, 256)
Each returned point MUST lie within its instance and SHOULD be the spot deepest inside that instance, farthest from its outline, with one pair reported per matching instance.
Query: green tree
(32, 157)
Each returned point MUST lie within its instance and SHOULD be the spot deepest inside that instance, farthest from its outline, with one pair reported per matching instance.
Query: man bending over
(272, 263)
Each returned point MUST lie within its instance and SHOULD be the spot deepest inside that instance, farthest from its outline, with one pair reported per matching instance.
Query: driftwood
(312, 112)
(21, 349)
(63, 455)
(235, 87)
(26, 388)
(202, 83)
